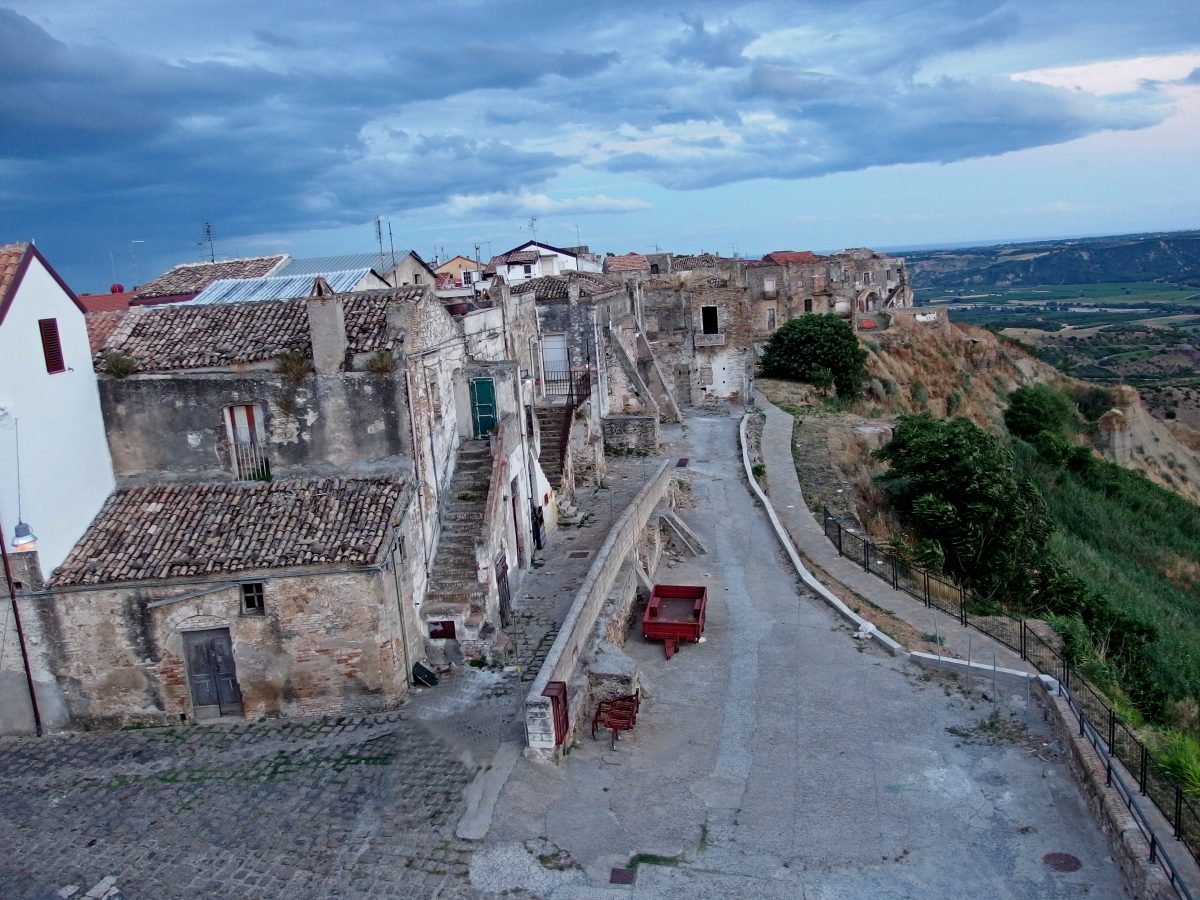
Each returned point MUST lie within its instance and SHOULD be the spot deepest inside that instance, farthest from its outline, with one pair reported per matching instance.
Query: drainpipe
(400, 609)
(12, 593)
(412, 425)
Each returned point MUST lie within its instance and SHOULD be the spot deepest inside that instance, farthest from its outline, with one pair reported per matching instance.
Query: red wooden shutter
(51, 345)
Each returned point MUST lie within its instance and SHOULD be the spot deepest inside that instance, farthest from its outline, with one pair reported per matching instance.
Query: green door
(483, 406)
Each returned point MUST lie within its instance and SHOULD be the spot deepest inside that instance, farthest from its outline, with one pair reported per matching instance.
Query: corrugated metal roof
(319, 265)
(275, 287)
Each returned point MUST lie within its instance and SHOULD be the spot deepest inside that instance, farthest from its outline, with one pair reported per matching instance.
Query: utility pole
(212, 255)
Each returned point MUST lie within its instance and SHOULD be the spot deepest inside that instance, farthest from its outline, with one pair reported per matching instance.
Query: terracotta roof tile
(700, 261)
(630, 262)
(199, 337)
(556, 287)
(100, 326)
(191, 278)
(783, 257)
(216, 528)
(10, 259)
(106, 302)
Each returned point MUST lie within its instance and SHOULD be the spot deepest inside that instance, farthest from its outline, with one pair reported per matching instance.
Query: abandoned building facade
(314, 495)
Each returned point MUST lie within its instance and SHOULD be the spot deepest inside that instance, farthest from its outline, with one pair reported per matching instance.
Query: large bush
(1033, 410)
(974, 518)
(822, 350)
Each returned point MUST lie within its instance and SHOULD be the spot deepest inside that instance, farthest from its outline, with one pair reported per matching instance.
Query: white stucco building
(50, 404)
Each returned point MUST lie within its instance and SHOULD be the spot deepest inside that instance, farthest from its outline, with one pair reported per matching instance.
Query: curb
(806, 576)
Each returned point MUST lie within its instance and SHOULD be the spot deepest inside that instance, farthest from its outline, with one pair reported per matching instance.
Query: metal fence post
(839, 528)
(1112, 729)
(926, 577)
(962, 606)
(895, 574)
(866, 558)
(1143, 765)
(1023, 642)
(1178, 812)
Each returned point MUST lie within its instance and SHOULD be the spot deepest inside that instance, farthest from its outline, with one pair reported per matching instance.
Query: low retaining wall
(1129, 846)
(808, 577)
(562, 662)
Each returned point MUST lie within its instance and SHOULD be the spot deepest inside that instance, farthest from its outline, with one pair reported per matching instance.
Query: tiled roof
(100, 325)
(191, 278)
(513, 258)
(10, 259)
(700, 261)
(630, 262)
(113, 302)
(784, 257)
(220, 528)
(183, 336)
(555, 287)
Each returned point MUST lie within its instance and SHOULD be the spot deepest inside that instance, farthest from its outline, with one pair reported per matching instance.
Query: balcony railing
(709, 340)
(250, 462)
(570, 383)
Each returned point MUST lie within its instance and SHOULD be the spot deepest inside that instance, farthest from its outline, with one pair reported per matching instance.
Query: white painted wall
(66, 472)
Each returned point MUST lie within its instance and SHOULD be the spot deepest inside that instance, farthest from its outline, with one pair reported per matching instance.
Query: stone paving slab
(350, 807)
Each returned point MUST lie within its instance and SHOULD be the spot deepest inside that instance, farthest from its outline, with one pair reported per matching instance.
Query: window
(866, 277)
(51, 346)
(416, 278)
(653, 268)
(528, 270)
(708, 319)
(771, 319)
(769, 287)
(808, 304)
(247, 443)
(442, 630)
(253, 599)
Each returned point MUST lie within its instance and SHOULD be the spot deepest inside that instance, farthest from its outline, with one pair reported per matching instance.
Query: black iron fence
(1110, 736)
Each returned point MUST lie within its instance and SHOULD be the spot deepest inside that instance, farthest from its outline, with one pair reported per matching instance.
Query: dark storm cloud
(271, 118)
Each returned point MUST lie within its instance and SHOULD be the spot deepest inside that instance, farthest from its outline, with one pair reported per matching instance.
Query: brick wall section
(562, 662)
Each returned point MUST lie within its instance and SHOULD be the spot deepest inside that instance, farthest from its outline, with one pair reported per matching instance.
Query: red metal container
(675, 614)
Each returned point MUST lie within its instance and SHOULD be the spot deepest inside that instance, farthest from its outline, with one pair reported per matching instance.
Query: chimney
(327, 329)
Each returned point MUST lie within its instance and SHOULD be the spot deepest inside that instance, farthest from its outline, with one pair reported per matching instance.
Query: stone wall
(563, 661)
(1129, 847)
(631, 433)
(174, 426)
(326, 643)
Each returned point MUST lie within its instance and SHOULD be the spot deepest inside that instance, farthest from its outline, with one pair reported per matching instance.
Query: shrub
(1037, 409)
(381, 363)
(118, 365)
(293, 365)
(819, 349)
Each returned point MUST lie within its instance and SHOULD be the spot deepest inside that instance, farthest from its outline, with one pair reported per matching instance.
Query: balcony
(708, 340)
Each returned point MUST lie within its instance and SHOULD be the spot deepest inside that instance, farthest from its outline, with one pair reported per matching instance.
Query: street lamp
(24, 538)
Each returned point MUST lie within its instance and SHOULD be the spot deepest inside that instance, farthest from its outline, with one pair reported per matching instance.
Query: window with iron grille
(52, 346)
(254, 599)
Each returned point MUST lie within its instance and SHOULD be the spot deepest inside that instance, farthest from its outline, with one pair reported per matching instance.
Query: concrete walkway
(782, 758)
(819, 552)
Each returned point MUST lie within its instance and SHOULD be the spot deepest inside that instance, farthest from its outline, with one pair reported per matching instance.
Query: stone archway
(868, 301)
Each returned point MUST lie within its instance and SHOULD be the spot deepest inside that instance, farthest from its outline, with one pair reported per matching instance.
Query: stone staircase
(454, 589)
(550, 422)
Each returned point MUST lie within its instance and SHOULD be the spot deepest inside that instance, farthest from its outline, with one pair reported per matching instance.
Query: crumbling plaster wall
(174, 425)
(325, 644)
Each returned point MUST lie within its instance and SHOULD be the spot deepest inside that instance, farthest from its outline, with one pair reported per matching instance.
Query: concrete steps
(454, 590)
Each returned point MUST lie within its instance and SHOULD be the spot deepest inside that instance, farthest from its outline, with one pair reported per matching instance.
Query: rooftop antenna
(212, 256)
(112, 261)
(133, 259)
(391, 244)
(379, 236)
(578, 242)
(533, 226)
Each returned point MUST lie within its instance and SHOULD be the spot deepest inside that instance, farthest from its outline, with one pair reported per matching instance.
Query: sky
(732, 128)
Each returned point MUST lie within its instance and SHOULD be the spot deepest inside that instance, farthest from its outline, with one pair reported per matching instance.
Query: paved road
(781, 758)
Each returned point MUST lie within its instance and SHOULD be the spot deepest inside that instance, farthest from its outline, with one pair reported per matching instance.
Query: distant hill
(1167, 257)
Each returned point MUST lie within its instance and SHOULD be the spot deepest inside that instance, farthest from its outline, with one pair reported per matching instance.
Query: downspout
(400, 610)
(12, 593)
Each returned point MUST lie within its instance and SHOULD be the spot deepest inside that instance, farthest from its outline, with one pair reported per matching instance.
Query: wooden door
(212, 674)
(483, 406)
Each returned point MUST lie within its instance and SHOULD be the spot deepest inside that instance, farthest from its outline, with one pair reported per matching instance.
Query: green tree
(1032, 410)
(973, 517)
(820, 349)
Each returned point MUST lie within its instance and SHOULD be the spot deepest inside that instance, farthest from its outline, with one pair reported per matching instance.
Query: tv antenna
(533, 226)
(208, 239)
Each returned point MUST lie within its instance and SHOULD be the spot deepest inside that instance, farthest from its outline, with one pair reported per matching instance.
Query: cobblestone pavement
(339, 807)
(347, 807)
